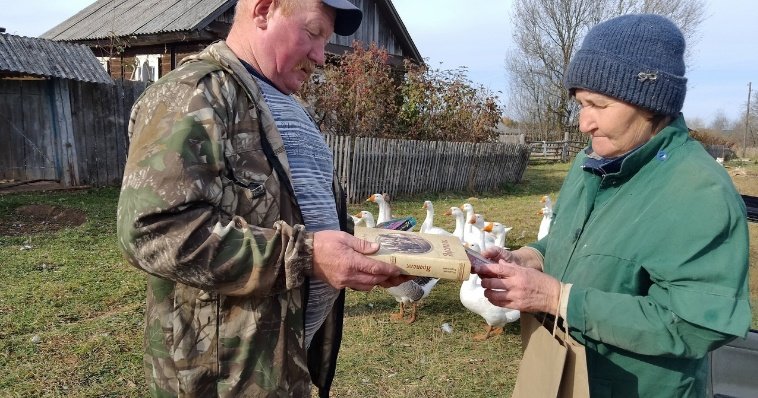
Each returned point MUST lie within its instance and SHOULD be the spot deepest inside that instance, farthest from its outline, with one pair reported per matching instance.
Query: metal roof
(47, 58)
(132, 21)
(123, 18)
(405, 35)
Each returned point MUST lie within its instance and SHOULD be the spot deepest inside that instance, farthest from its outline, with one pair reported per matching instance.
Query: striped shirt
(312, 167)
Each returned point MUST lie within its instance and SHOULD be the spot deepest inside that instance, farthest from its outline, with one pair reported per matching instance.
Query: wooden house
(41, 82)
(143, 40)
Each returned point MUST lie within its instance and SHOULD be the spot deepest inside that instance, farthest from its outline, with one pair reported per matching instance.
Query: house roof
(116, 18)
(105, 23)
(46, 58)
(411, 46)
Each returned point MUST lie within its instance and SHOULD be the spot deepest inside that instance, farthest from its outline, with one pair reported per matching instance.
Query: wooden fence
(403, 167)
(75, 133)
(100, 117)
(67, 131)
(561, 151)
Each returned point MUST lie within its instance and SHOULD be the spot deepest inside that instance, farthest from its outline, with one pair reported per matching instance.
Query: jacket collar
(659, 149)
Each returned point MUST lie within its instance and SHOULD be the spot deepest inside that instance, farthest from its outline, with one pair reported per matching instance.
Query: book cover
(419, 254)
(476, 258)
(401, 224)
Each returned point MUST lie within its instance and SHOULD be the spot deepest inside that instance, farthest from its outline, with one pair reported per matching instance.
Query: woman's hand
(510, 285)
(524, 256)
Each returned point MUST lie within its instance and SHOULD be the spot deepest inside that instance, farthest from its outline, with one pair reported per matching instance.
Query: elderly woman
(647, 257)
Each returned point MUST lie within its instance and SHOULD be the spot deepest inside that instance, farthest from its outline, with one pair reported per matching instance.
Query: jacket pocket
(194, 339)
(251, 188)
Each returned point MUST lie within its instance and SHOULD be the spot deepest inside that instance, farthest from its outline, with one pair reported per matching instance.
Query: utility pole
(747, 118)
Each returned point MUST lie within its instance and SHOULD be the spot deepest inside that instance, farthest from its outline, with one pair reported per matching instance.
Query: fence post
(565, 149)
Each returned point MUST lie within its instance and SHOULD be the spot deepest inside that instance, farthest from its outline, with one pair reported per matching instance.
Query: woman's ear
(261, 11)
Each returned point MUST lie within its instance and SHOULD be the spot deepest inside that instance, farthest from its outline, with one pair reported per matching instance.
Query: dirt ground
(32, 219)
(11, 186)
(745, 179)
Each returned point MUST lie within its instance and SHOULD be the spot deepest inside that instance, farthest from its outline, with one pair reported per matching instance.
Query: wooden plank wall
(26, 132)
(100, 117)
(375, 28)
(404, 167)
(33, 115)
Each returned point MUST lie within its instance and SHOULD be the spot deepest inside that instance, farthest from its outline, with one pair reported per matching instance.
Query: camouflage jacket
(208, 211)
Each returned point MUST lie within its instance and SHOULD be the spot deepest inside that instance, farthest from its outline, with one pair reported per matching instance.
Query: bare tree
(547, 33)
(696, 123)
(721, 123)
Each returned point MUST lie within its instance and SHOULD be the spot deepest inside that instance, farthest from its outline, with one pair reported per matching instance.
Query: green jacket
(658, 257)
(208, 211)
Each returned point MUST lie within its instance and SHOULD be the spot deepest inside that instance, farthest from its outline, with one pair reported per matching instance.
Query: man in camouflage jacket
(207, 209)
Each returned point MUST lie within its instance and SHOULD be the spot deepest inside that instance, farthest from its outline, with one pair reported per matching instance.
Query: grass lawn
(71, 310)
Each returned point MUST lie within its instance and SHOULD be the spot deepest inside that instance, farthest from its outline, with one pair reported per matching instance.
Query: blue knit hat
(637, 58)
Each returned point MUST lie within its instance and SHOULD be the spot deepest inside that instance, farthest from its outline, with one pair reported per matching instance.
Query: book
(400, 224)
(476, 258)
(436, 256)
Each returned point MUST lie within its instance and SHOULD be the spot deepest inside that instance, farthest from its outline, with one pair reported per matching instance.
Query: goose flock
(475, 233)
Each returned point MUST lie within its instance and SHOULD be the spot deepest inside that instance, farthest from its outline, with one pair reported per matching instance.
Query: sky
(478, 37)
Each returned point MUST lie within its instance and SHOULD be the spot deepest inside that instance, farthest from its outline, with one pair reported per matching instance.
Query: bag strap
(558, 310)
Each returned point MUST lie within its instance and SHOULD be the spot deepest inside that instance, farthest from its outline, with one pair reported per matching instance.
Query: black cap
(348, 16)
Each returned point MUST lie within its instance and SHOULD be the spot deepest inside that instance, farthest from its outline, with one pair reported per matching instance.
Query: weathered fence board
(63, 130)
(562, 151)
(26, 109)
(406, 167)
(102, 117)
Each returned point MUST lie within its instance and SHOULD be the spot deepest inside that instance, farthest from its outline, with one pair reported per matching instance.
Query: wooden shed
(139, 38)
(41, 106)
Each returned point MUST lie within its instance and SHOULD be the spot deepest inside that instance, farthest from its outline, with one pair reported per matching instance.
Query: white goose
(547, 217)
(468, 208)
(473, 246)
(498, 232)
(545, 200)
(410, 293)
(479, 235)
(427, 227)
(472, 297)
(460, 222)
(364, 217)
(385, 213)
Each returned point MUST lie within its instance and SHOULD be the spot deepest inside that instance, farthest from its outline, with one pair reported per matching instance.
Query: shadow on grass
(443, 304)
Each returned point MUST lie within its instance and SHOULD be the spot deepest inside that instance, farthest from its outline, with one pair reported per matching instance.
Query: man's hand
(339, 259)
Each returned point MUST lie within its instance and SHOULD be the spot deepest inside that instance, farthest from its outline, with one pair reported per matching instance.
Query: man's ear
(261, 12)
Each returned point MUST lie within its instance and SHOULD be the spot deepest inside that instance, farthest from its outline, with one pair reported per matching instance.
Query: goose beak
(541, 212)
(449, 213)
(370, 199)
(425, 206)
(488, 227)
(472, 220)
(359, 215)
(543, 199)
